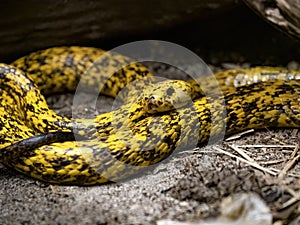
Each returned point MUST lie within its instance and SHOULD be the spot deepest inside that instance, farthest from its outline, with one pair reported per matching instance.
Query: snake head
(162, 97)
(167, 96)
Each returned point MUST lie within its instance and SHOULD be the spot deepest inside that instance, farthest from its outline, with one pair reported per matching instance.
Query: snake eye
(170, 91)
(147, 154)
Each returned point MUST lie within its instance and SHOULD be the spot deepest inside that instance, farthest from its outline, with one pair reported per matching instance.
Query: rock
(31, 24)
(283, 14)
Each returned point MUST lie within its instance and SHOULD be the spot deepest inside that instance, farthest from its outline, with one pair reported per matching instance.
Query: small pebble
(293, 65)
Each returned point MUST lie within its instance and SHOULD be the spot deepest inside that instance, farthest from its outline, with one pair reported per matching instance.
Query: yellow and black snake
(154, 120)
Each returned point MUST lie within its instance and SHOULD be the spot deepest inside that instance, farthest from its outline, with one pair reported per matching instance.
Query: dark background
(217, 30)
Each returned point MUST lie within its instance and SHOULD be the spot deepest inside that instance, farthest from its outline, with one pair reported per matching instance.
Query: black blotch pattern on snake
(153, 121)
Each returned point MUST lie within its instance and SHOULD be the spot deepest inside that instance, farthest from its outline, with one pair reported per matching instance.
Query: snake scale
(154, 120)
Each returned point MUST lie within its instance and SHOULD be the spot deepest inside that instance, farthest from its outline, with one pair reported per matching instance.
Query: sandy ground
(189, 186)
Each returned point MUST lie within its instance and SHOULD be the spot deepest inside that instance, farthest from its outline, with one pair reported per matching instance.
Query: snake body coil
(144, 130)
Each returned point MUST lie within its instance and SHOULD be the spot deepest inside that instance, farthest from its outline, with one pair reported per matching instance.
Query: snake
(155, 118)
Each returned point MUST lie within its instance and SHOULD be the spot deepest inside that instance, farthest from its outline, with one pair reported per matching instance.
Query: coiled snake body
(144, 130)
